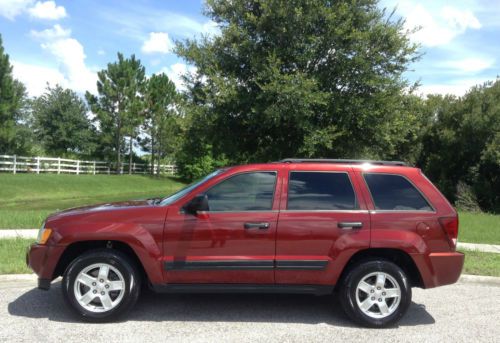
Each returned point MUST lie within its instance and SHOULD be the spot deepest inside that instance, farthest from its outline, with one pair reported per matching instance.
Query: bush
(466, 199)
(191, 167)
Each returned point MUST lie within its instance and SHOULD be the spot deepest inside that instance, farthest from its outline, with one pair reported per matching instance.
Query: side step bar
(242, 288)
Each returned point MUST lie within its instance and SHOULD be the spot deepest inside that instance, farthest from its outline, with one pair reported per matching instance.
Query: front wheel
(375, 293)
(101, 285)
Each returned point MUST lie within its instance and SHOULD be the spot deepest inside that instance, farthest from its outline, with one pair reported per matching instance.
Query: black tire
(348, 292)
(114, 258)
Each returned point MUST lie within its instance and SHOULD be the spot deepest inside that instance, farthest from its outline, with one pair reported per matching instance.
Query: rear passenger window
(320, 191)
(394, 192)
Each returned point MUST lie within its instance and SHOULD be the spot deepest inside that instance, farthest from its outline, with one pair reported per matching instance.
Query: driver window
(243, 192)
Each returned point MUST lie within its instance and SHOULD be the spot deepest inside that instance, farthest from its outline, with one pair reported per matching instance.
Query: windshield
(170, 199)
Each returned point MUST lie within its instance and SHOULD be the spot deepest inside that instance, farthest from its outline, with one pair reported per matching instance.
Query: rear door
(233, 242)
(321, 217)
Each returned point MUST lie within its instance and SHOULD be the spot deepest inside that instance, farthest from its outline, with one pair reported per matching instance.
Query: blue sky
(67, 42)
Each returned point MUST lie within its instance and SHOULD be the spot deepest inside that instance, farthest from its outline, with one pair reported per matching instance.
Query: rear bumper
(42, 259)
(439, 269)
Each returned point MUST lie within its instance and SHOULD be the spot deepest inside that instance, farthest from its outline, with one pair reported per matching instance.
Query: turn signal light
(44, 237)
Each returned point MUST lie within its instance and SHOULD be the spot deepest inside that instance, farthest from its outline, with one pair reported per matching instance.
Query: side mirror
(198, 203)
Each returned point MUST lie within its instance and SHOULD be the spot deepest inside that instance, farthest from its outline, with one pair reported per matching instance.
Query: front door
(232, 242)
(321, 222)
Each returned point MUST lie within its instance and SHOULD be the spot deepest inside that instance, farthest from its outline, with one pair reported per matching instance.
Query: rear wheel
(375, 293)
(101, 285)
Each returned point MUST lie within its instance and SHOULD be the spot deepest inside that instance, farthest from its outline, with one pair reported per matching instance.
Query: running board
(242, 288)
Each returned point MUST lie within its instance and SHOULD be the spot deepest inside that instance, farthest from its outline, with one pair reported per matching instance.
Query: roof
(343, 161)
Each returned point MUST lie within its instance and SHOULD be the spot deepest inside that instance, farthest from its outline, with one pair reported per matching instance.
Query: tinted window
(320, 191)
(394, 192)
(244, 192)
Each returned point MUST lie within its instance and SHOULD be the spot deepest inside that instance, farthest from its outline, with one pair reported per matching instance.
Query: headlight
(43, 234)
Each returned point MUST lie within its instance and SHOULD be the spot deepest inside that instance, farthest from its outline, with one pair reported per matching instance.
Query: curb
(21, 233)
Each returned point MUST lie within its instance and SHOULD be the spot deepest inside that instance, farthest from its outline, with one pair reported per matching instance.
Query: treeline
(129, 113)
(293, 79)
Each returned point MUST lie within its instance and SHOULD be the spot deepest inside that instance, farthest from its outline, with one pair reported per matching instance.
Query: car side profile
(368, 230)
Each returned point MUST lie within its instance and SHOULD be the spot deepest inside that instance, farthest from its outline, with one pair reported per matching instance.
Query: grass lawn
(481, 263)
(479, 228)
(13, 255)
(12, 259)
(26, 199)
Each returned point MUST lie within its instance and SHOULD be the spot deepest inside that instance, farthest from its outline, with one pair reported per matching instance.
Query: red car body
(301, 248)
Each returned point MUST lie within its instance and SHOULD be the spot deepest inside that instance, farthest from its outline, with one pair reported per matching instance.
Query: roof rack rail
(327, 160)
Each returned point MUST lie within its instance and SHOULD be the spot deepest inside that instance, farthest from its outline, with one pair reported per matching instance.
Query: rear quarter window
(395, 193)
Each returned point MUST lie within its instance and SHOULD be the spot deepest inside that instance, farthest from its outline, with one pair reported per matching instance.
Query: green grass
(481, 263)
(26, 199)
(479, 228)
(12, 256)
(12, 259)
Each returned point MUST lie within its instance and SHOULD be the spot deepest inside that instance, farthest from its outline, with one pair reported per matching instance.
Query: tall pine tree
(12, 100)
(117, 105)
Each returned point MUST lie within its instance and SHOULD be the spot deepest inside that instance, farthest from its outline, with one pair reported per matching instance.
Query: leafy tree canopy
(61, 123)
(299, 78)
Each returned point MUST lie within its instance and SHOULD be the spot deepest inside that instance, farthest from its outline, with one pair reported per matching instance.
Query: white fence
(20, 164)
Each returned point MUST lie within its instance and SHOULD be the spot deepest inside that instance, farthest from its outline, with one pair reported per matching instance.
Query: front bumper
(43, 259)
(439, 269)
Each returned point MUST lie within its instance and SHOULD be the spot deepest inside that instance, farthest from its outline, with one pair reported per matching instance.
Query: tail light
(450, 227)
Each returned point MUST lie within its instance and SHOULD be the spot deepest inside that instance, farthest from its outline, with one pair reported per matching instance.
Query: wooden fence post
(14, 166)
(38, 165)
(78, 167)
(94, 167)
(58, 165)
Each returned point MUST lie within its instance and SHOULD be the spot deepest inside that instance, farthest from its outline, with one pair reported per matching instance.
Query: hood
(102, 207)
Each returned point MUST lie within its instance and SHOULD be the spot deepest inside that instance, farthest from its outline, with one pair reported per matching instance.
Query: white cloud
(469, 65)
(457, 87)
(70, 56)
(47, 10)
(158, 42)
(101, 52)
(55, 32)
(175, 73)
(210, 28)
(438, 25)
(36, 77)
(12, 8)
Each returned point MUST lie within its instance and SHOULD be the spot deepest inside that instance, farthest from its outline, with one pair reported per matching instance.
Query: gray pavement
(465, 312)
(32, 233)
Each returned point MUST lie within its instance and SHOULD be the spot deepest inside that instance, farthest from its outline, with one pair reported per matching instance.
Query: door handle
(261, 226)
(350, 225)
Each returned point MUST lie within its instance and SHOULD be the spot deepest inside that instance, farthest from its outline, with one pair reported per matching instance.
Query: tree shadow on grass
(268, 308)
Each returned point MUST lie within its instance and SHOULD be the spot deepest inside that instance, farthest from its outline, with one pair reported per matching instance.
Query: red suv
(370, 230)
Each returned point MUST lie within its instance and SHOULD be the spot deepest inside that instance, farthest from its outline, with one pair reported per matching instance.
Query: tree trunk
(152, 153)
(158, 157)
(118, 146)
(130, 156)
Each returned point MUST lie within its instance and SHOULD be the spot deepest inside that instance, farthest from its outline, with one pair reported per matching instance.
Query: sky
(67, 42)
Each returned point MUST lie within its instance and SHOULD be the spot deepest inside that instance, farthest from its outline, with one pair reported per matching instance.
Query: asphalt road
(464, 312)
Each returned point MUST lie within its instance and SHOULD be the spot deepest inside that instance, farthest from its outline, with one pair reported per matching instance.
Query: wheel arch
(77, 248)
(397, 256)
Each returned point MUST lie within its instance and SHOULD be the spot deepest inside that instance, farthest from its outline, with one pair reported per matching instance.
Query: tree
(118, 104)
(461, 148)
(61, 124)
(300, 78)
(161, 122)
(12, 105)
